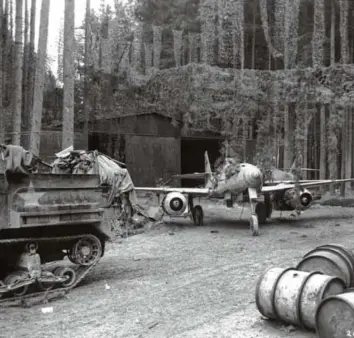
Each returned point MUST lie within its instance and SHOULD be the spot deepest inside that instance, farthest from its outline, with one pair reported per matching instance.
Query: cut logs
(335, 316)
(332, 260)
(293, 296)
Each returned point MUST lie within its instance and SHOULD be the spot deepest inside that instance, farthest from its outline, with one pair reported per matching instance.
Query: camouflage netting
(195, 91)
(197, 95)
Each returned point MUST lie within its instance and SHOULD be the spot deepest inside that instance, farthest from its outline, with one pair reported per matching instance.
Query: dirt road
(181, 281)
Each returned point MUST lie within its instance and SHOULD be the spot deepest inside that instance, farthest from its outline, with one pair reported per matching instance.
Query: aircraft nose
(254, 178)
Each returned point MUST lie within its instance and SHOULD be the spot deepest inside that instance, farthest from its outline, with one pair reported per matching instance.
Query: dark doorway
(192, 157)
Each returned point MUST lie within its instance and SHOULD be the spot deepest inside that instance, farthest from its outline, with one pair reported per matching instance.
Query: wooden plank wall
(150, 158)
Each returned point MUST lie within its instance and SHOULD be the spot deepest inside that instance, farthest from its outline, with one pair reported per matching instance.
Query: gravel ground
(178, 280)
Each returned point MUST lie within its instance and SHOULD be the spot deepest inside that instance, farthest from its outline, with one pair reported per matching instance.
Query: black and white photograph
(176, 168)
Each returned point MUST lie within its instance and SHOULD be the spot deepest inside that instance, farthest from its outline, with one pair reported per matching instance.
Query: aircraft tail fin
(207, 166)
(207, 170)
(207, 175)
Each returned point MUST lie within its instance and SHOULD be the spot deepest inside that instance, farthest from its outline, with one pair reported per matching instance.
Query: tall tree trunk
(308, 120)
(332, 147)
(305, 151)
(322, 142)
(25, 111)
(344, 149)
(254, 35)
(8, 58)
(3, 51)
(333, 164)
(347, 145)
(86, 85)
(343, 28)
(60, 53)
(288, 146)
(2, 28)
(39, 79)
(287, 139)
(31, 65)
(16, 117)
(105, 58)
(319, 33)
(349, 155)
(68, 56)
(333, 32)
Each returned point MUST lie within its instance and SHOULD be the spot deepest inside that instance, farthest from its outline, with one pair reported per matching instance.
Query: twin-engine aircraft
(238, 183)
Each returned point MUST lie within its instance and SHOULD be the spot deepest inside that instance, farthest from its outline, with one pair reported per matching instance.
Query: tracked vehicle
(52, 231)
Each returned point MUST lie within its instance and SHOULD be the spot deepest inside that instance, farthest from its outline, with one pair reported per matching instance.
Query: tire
(254, 225)
(262, 212)
(198, 215)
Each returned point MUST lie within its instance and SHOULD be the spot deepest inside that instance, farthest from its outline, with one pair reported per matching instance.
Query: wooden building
(152, 147)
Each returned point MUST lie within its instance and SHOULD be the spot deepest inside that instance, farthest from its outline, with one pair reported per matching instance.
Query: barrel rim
(299, 299)
(326, 247)
(333, 278)
(318, 256)
(274, 290)
(345, 250)
(347, 253)
(334, 245)
(335, 248)
(260, 279)
(327, 300)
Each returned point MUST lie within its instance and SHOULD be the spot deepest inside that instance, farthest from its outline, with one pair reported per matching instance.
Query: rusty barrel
(293, 296)
(335, 316)
(332, 260)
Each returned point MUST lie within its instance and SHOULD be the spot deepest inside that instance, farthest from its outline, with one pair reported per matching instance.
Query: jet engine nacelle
(288, 200)
(306, 198)
(174, 204)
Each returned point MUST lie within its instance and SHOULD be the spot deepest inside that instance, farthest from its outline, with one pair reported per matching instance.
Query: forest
(279, 72)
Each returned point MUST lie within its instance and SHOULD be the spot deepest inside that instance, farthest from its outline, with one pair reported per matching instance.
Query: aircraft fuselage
(236, 178)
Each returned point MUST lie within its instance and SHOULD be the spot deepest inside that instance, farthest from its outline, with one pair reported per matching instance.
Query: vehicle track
(44, 296)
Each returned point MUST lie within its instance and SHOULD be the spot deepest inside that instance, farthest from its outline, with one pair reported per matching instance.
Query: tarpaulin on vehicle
(92, 162)
(116, 177)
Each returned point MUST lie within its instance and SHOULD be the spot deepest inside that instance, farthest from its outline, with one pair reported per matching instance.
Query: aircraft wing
(270, 182)
(284, 186)
(192, 176)
(166, 190)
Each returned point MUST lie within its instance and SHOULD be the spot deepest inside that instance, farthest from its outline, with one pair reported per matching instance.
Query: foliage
(173, 14)
(196, 96)
(199, 93)
(143, 57)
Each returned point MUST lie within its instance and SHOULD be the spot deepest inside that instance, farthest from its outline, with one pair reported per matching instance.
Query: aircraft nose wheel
(197, 215)
(254, 225)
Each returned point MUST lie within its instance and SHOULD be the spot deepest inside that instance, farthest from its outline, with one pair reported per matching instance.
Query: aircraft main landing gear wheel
(254, 225)
(198, 215)
(262, 212)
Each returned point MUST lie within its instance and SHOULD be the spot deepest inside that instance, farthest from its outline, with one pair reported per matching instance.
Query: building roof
(134, 114)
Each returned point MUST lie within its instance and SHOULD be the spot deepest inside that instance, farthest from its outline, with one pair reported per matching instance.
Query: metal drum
(335, 316)
(331, 260)
(293, 296)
